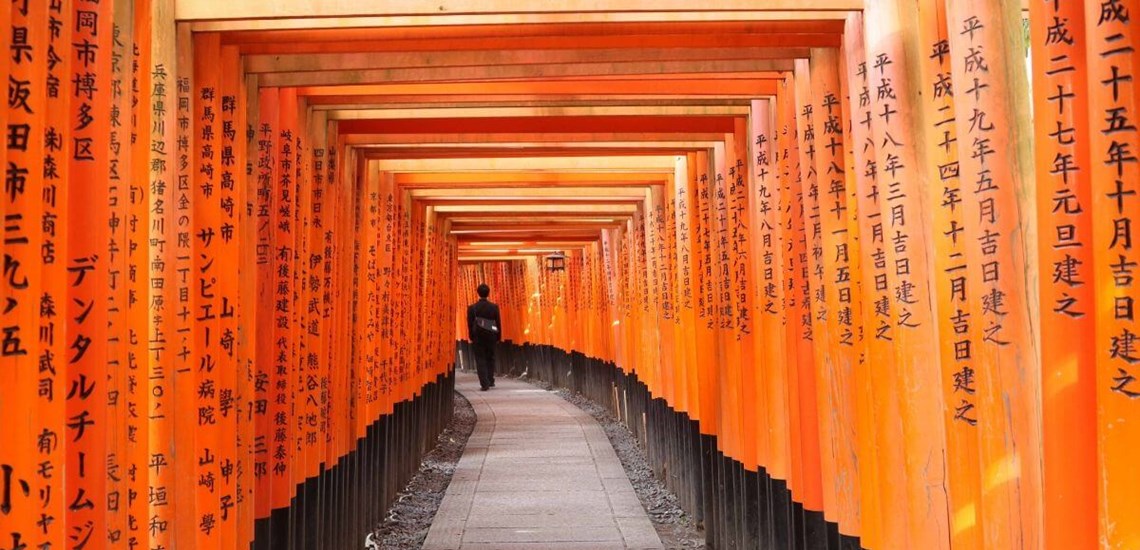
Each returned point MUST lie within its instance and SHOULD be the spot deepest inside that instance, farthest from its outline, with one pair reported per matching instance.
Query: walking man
(484, 329)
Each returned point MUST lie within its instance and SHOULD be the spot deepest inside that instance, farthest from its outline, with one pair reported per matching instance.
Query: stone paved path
(538, 473)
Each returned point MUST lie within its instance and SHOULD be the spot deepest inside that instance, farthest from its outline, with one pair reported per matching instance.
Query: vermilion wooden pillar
(840, 296)
(958, 336)
(231, 174)
(815, 336)
(1114, 105)
(768, 257)
(52, 413)
(1065, 219)
(161, 142)
(996, 174)
(680, 228)
(21, 341)
(136, 249)
(86, 310)
(807, 489)
(184, 379)
(905, 220)
(688, 278)
(206, 358)
(118, 260)
(265, 392)
(706, 347)
(874, 352)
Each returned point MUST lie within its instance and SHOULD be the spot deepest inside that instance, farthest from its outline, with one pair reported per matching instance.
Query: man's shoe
(492, 383)
(483, 388)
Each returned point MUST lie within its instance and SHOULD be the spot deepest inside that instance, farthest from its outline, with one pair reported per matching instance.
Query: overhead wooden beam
(541, 111)
(522, 178)
(593, 125)
(375, 154)
(490, 248)
(470, 101)
(424, 36)
(565, 231)
(594, 86)
(501, 258)
(507, 241)
(309, 62)
(505, 72)
(553, 138)
(592, 209)
(551, 204)
(377, 40)
(541, 192)
(740, 26)
(420, 150)
(500, 224)
(258, 9)
(544, 164)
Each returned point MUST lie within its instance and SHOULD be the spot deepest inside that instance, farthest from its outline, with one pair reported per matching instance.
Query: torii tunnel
(858, 273)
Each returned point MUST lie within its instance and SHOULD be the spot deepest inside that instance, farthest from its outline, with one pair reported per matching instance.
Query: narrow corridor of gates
(858, 273)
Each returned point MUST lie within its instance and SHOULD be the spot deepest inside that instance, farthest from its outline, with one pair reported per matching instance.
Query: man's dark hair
(483, 290)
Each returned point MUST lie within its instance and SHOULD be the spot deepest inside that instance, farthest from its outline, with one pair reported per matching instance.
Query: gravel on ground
(407, 523)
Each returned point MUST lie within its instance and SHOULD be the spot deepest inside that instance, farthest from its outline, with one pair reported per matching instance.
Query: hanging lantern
(556, 262)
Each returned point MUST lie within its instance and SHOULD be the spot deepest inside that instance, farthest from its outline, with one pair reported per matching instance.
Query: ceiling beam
(545, 37)
(506, 72)
(501, 241)
(488, 221)
(491, 205)
(256, 9)
(542, 192)
(466, 58)
(386, 154)
(523, 178)
(525, 233)
(545, 208)
(507, 149)
(471, 101)
(542, 111)
(494, 139)
(543, 164)
(530, 124)
(426, 36)
(597, 86)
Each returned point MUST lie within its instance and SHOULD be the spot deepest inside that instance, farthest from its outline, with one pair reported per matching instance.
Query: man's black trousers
(485, 363)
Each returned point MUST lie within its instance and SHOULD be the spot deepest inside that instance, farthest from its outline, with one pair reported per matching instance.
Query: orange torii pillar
(1113, 65)
(1061, 100)
(905, 225)
(815, 293)
(22, 288)
(889, 485)
(767, 258)
(741, 227)
(86, 309)
(161, 349)
(996, 174)
(873, 352)
(118, 260)
(836, 380)
(56, 280)
(957, 336)
(805, 480)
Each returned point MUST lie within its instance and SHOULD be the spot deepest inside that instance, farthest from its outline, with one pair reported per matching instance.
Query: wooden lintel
(366, 61)
(506, 72)
(542, 111)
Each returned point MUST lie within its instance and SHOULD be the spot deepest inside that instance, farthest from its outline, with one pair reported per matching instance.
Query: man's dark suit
(481, 343)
